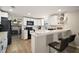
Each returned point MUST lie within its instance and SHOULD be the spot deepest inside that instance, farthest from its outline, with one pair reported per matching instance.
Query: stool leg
(49, 50)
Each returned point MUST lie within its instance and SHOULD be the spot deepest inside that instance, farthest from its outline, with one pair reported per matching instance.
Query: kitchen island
(41, 39)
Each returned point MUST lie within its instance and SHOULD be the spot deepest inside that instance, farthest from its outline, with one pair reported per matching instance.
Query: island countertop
(47, 32)
(41, 39)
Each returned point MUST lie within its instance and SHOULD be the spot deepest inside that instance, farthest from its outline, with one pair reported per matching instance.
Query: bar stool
(72, 38)
(59, 47)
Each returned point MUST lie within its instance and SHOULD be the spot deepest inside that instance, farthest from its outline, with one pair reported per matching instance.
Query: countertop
(2, 34)
(47, 32)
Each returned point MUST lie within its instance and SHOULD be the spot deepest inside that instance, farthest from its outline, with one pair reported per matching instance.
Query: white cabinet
(40, 40)
(24, 21)
(38, 45)
(37, 22)
(3, 42)
(24, 34)
(1, 45)
(53, 20)
(4, 14)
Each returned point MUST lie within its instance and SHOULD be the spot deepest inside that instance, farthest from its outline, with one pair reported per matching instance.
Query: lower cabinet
(24, 34)
(1, 46)
(3, 43)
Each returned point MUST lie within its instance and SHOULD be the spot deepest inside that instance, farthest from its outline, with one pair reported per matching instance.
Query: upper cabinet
(24, 21)
(37, 22)
(52, 20)
(4, 14)
(56, 19)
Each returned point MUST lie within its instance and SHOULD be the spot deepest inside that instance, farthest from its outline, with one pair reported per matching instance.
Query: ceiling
(38, 11)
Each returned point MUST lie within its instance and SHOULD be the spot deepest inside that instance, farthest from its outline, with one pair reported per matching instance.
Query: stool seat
(59, 46)
(72, 38)
(55, 45)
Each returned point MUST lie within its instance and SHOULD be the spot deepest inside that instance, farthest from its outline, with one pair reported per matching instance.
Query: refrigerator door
(6, 27)
(5, 24)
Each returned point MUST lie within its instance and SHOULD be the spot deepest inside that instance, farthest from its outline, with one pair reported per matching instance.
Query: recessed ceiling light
(59, 10)
(10, 10)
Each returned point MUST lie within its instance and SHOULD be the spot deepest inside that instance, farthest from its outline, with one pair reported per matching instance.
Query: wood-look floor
(71, 49)
(19, 46)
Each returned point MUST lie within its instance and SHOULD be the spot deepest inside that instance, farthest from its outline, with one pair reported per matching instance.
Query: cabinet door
(24, 21)
(25, 34)
(1, 47)
(53, 20)
(5, 43)
(4, 46)
(3, 14)
(37, 22)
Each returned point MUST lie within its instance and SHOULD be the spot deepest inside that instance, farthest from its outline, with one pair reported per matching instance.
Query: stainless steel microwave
(30, 22)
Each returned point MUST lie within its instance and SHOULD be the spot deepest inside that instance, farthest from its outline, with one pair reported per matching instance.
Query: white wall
(73, 24)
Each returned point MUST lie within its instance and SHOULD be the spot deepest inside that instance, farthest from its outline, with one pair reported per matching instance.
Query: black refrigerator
(6, 26)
